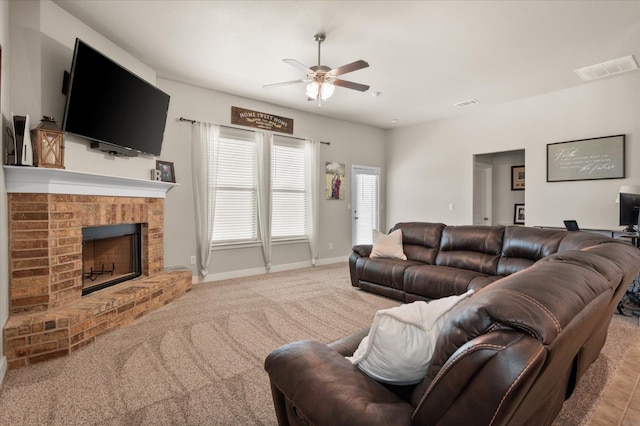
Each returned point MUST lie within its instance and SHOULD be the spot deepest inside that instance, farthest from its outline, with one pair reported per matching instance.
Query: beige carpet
(199, 360)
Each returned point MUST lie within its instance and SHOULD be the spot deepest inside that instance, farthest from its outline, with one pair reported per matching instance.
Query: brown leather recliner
(509, 355)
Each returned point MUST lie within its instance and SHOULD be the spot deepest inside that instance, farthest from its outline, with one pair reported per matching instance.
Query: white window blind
(367, 205)
(235, 217)
(289, 217)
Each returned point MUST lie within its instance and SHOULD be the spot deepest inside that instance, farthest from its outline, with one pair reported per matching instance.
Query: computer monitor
(629, 207)
(571, 225)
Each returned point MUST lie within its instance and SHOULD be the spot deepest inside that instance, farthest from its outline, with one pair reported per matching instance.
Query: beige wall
(4, 121)
(46, 35)
(437, 157)
(350, 143)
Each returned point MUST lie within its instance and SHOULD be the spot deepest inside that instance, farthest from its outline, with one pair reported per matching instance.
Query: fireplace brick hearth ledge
(48, 316)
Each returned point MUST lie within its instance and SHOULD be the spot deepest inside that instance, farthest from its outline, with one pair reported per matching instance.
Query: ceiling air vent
(605, 69)
(467, 103)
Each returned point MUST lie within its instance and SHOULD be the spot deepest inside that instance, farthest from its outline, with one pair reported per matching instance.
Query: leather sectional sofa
(508, 355)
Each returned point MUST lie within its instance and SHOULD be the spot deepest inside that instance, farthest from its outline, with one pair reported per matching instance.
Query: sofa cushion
(475, 248)
(434, 282)
(421, 240)
(402, 339)
(387, 246)
(522, 247)
(385, 272)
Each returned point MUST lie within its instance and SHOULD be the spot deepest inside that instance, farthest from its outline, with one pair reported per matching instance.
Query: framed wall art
(586, 159)
(334, 180)
(517, 178)
(518, 214)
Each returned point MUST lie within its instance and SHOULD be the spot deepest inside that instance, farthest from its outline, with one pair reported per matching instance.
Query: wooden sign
(586, 159)
(261, 120)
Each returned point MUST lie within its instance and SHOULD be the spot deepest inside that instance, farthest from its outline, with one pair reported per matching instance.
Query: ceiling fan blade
(285, 83)
(351, 85)
(354, 66)
(298, 65)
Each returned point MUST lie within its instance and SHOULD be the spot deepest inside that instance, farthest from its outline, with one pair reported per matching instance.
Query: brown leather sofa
(509, 355)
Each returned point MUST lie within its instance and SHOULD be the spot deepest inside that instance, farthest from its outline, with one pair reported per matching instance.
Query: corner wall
(5, 117)
(437, 157)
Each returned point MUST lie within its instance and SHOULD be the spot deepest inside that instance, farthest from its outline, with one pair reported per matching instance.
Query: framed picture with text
(586, 159)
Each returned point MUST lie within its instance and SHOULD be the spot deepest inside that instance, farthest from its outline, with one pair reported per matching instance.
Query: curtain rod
(247, 130)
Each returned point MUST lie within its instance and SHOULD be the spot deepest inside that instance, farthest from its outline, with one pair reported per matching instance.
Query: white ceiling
(424, 56)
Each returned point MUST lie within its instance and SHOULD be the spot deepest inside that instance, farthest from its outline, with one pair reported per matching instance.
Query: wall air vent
(467, 103)
(605, 69)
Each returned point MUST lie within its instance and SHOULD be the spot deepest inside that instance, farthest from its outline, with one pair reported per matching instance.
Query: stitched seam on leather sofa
(526, 368)
(293, 404)
(540, 305)
(446, 368)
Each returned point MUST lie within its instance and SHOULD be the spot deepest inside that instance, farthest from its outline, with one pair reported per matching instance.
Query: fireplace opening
(110, 255)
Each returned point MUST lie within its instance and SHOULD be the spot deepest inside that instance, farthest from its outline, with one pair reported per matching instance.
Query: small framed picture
(518, 214)
(167, 174)
(517, 178)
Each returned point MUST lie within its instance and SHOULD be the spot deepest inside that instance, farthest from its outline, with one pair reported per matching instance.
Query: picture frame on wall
(586, 159)
(517, 178)
(334, 180)
(167, 172)
(518, 214)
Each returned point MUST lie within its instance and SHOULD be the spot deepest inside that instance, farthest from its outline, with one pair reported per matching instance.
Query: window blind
(367, 207)
(289, 212)
(235, 214)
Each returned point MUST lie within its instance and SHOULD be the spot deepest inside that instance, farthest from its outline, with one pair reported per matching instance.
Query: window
(289, 218)
(235, 214)
(235, 217)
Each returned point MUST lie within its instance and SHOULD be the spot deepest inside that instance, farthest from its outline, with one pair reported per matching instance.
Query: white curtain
(265, 143)
(313, 182)
(205, 140)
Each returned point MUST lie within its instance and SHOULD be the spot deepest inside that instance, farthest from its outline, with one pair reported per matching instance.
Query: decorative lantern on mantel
(48, 142)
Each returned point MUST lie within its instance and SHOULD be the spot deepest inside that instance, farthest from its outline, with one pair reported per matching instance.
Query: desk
(634, 237)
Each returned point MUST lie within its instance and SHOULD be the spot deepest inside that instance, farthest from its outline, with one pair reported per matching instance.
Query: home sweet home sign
(261, 120)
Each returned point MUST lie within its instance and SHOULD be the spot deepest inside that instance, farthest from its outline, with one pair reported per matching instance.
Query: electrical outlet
(451, 206)
(193, 260)
(330, 246)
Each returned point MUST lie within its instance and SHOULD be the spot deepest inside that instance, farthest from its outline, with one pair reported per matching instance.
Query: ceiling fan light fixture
(312, 90)
(324, 90)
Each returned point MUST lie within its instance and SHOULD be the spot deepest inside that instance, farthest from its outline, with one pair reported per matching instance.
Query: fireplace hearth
(69, 234)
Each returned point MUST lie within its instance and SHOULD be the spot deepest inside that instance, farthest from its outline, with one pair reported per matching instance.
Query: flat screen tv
(106, 103)
(629, 208)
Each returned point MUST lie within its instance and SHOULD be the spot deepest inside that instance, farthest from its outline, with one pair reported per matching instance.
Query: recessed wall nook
(55, 308)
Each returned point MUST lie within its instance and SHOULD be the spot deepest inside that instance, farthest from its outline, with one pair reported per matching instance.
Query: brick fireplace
(48, 209)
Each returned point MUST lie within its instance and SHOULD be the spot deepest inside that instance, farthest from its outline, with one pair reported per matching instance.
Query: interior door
(365, 202)
(482, 194)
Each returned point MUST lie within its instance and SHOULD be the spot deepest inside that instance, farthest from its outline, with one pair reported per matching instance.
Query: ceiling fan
(322, 79)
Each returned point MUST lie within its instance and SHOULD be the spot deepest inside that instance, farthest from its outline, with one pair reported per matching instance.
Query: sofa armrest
(348, 344)
(324, 388)
(363, 250)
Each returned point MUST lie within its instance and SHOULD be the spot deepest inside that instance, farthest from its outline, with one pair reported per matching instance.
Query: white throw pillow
(389, 246)
(401, 341)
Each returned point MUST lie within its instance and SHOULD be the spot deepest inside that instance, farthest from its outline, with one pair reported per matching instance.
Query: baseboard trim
(275, 268)
(3, 367)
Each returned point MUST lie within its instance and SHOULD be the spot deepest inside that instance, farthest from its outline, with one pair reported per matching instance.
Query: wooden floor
(620, 404)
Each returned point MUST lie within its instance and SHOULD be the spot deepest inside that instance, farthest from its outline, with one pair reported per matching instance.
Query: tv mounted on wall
(629, 208)
(118, 111)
